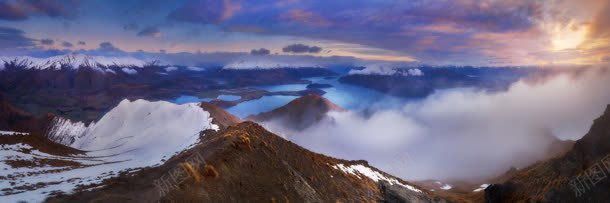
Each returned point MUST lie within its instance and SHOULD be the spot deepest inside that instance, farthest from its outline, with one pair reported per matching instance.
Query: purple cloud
(22, 9)
(426, 30)
(205, 11)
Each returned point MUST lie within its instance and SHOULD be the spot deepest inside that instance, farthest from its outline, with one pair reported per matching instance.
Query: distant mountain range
(81, 87)
(422, 81)
(106, 63)
(72, 61)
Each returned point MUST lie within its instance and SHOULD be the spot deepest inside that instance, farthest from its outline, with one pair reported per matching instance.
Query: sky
(456, 32)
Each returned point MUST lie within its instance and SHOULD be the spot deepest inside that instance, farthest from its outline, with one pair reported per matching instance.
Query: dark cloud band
(11, 38)
(301, 48)
(261, 51)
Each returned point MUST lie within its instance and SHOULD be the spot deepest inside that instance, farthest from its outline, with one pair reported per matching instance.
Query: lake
(183, 99)
(347, 96)
(264, 104)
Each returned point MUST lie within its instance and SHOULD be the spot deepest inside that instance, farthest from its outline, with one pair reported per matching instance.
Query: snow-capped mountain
(134, 134)
(73, 61)
(386, 69)
(135, 125)
(268, 63)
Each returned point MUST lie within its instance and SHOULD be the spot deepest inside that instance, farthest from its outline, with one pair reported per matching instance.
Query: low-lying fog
(464, 133)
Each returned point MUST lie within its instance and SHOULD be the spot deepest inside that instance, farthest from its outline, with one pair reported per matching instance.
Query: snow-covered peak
(134, 134)
(72, 60)
(387, 69)
(154, 126)
(138, 124)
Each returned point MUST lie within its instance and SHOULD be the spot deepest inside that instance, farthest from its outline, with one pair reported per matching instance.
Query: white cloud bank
(466, 133)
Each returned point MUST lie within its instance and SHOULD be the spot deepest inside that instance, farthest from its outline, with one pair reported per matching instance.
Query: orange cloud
(307, 17)
(442, 28)
(230, 8)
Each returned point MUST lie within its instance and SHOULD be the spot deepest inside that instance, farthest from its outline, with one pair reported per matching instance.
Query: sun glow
(568, 37)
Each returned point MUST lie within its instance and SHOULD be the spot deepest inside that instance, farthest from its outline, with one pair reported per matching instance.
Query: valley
(425, 101)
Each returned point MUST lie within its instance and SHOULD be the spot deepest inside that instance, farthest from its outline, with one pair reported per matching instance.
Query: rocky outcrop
(299, 113)
(219, 116)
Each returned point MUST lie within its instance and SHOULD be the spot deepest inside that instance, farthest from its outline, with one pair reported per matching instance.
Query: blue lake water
(226, 97)
(353, 97)
(347, 96)
(263, 104)
(287, 87)
(183, 99)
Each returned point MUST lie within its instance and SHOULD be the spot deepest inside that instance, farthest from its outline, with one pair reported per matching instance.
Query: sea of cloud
(465, 134)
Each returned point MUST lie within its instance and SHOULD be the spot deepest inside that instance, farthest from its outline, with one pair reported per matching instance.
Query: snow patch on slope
(481, 188)
(12, 133)
(64, 131)
(358, 170)
(45, 178)
(444, 186)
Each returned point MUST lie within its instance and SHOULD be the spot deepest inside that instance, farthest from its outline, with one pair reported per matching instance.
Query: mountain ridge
(250, 163)
(73, 61)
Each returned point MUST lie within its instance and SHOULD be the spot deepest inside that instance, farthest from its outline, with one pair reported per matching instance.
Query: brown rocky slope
(299, 113)
(581, 175)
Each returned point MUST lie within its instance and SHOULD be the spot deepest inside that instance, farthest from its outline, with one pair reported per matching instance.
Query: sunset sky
(460, 32)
